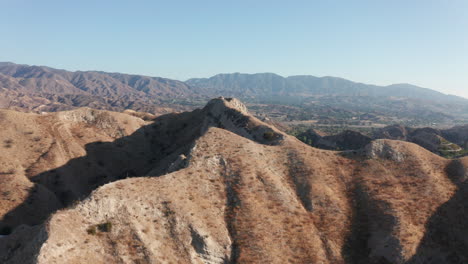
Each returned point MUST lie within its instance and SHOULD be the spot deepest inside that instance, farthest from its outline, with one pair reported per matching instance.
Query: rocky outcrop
(232, 115)
(383, 149)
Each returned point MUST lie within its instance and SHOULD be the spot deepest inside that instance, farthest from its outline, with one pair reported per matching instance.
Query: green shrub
(105, 227)
(270, 135)
(91, 230)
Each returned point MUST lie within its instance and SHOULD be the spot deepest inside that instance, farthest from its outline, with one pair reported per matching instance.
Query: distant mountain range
(41, 88)
(270, 84)
(340, 98)
(47, 89)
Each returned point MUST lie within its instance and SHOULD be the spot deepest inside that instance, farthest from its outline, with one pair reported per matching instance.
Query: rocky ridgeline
(217, 185)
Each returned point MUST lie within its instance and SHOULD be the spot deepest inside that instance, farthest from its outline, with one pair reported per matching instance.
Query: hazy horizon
(419, 42)
(198, 77)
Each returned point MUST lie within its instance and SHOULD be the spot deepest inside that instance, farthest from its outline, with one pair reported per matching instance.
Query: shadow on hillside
(355, 249)
(14, 248)
(151, 147)
(446, 237)
(149, 151)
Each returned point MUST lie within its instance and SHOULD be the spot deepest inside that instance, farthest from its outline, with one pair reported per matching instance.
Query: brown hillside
(223, 187)
(41, 88)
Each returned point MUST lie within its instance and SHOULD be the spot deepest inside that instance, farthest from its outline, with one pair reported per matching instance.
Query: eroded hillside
(220, 186)
(449, 143)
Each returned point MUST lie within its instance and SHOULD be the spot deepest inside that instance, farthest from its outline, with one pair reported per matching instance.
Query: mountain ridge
(45, 89)
(268, 74)
(217, 185)
(215, 81)
(41, 88)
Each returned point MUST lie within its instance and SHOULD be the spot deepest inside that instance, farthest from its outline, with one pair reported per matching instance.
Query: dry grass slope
(223, 187)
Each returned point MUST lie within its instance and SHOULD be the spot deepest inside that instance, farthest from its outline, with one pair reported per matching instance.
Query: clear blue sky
(423, 42)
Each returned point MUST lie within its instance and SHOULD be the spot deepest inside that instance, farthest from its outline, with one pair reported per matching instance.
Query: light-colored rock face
(383, 149)
(232, 115)
(218, 194)
(219, 105)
